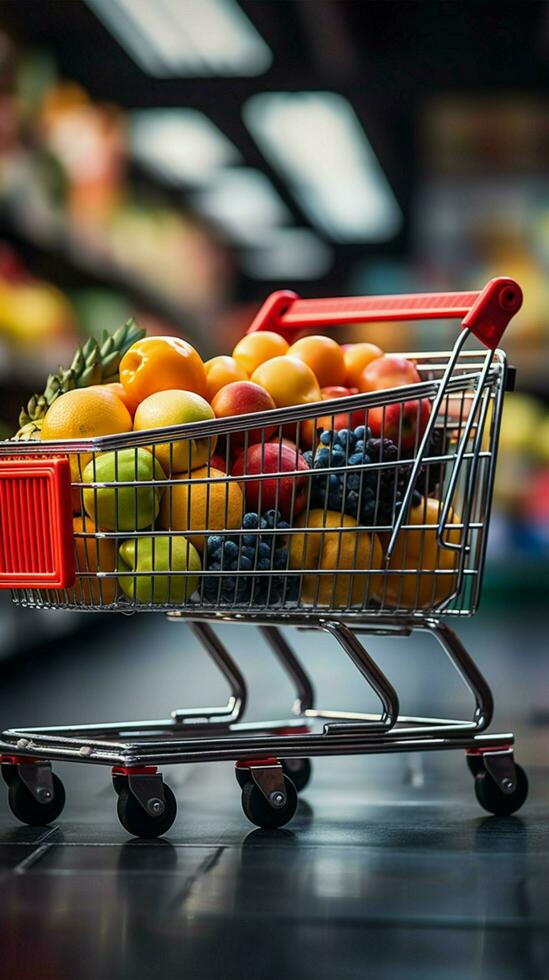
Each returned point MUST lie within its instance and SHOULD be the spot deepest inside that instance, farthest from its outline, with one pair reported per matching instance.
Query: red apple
(406, 433)
(388, 372)
(288, 494)
(243, 398)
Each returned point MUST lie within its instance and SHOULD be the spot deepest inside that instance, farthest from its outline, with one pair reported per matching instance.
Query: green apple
(158, 555)
(123, 508)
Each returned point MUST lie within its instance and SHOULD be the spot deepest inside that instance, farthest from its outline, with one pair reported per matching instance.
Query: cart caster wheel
(9, 773)
(26, 807)
(299, 771)
(260, 812)
(243, 776)
(494, 800)
(135, 819)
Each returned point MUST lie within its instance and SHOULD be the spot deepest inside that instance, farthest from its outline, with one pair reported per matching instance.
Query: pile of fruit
(239, 518)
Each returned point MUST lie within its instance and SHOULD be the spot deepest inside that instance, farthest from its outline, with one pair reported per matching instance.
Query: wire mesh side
(294, 516)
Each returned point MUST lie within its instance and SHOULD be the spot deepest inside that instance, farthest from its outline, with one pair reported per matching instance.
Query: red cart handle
(485, 313)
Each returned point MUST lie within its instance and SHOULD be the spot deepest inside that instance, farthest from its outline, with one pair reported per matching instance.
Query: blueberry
(264, 550)
(308, 457)
(338, 456)
(345, 437)
(228, 586)
(215, 542)
(249, 541)
(356, 459)
(250, 520)
(360, 432)
(322, 458)
(264, 524)
(326, 437)
(416, 498)
(245, 563)
(353, 481)
(334, 481)
(283, 526)
(214, 566)
(280, 559)
(230, 550)
(264, 564)
(272, 517)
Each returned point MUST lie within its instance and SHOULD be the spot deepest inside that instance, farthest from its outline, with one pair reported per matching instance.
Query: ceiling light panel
(316, 142)
(181, 146)
(177, 38)
(243, 202)
(288, 254)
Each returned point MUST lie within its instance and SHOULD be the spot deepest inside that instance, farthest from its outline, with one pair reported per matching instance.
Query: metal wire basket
(353, 525)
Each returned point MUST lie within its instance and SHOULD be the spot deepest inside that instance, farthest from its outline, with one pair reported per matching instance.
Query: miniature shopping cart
(323, 522)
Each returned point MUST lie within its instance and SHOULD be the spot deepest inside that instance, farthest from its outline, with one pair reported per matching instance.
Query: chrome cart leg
(468, 671)
(234, 709)
(298, 770)
(375, 678)
(305, 695)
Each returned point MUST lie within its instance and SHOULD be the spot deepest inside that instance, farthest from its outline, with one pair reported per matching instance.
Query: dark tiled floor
(388, 870)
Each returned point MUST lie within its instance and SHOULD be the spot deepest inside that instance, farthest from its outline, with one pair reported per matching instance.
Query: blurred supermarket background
(178, 160)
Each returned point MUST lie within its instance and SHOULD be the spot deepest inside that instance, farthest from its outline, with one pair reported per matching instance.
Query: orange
(288, 380)
(159, 364)
(176, 408)
(83, 414)
(324, 357)
(221, 371)
(202, 506)
(92, 555)
(419, 552)
(336, 550)
(256, 348)
(357, 357)
(122, 394)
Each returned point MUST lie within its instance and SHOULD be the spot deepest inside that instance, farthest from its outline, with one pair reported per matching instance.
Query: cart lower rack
(359, 516)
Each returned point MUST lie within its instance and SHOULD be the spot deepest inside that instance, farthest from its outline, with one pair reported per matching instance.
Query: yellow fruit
(85, 413)
(335, 550)
(176, 407)
(288, 380)
(221, 371)
(418, 551)
(324, 357)
(256, 348)
(201, 506)
(92, 555)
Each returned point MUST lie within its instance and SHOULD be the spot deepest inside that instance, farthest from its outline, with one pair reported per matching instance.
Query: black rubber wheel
(27, 808)
(299, 771)
(475, 764)
(260, 812)
(491, 797)
(243, 776)
(138, 822)
(9, 773)
(119, 783)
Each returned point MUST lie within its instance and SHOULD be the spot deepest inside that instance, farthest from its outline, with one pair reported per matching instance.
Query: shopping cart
(354, 535)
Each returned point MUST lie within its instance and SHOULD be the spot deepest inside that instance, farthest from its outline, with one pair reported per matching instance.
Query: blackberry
(369, 495)
(250, 552)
